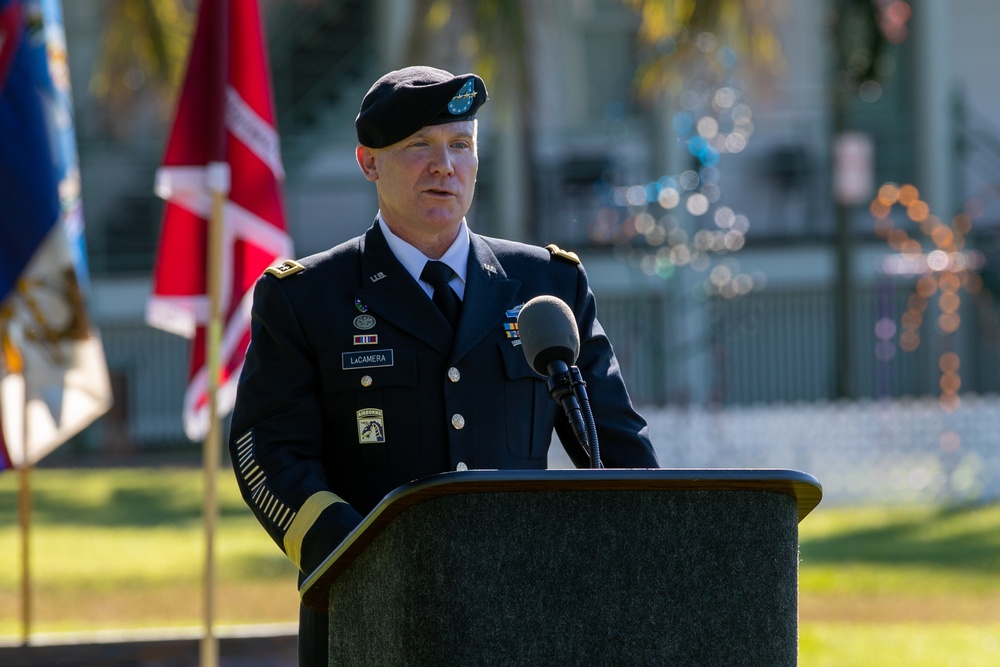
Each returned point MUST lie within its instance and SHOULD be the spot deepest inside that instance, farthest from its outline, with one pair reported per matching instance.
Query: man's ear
(366, 160)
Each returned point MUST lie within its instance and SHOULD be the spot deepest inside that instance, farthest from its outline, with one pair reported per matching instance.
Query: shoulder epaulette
(565, 254)
(287, 268)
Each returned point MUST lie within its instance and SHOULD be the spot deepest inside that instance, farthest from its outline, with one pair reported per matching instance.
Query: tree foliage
(144, 43)
(143, 47)
(491, 36)
(681, 39)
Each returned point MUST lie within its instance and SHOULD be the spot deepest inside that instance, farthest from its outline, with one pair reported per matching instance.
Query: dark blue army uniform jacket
(355, 384)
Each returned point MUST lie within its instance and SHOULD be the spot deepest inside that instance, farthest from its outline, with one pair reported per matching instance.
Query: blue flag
(29, 196)
(53, 375)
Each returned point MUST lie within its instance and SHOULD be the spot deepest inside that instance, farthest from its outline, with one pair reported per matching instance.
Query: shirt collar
(456, 257)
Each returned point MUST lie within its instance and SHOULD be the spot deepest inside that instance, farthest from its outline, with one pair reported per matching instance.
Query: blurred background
(779, 203)
(789, 213)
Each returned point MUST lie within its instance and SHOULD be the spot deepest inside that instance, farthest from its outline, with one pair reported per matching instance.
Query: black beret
(405, 100)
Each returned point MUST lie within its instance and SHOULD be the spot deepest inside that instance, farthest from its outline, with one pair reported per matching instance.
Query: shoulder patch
(287, 268)
(565, 254)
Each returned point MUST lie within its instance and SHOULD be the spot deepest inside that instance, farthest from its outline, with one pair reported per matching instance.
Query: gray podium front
(572, 567)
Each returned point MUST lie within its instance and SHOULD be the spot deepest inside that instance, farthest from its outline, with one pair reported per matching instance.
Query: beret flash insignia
(464, 99)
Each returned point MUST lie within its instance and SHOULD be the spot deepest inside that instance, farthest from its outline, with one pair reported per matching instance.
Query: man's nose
(442, 161)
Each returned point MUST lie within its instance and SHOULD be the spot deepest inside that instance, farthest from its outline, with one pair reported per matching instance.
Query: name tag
(367, 359)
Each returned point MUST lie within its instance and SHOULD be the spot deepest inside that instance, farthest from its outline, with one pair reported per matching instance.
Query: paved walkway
(243, 646)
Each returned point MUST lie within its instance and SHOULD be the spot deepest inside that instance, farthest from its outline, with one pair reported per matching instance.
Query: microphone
(548, 333)
(550, 341)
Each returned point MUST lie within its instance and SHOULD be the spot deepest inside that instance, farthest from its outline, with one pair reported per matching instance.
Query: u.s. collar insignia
(463, 100)
(371, 428)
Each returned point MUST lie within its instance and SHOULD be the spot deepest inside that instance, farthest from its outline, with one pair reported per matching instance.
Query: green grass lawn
(909, 586)
(123, 548)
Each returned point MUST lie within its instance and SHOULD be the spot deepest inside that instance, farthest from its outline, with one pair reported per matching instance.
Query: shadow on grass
(960, 538)
(260, 566)
(143, 502)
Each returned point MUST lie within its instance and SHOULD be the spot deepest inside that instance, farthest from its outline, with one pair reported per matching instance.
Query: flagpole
(24, 505)
(24, 516)
(218, 182)
(218, 179)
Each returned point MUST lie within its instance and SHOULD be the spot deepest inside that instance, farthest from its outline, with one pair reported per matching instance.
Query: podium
(572, 567)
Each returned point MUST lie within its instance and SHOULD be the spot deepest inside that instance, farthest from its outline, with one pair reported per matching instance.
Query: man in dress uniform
(395, 355)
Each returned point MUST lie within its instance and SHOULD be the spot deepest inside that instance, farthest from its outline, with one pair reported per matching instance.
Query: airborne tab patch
(371, 428)
(287, 268)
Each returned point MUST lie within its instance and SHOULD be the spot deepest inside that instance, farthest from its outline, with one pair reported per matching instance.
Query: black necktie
(437, 274)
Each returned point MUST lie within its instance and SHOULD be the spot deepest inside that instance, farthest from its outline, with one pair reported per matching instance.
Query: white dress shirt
(456, 257)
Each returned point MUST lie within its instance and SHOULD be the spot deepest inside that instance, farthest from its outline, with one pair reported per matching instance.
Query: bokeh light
(893, 16)
(682, 220)
(945, 270)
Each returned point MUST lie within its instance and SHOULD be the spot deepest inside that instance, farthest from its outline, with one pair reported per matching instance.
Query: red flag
(225, 114)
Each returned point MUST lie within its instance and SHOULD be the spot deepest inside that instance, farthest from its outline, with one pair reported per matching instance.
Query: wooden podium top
(314, 591)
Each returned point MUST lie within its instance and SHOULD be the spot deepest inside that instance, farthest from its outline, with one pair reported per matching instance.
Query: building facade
(727, 227)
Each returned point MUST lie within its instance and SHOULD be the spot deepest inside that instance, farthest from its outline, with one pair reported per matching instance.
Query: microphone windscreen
(548, 333)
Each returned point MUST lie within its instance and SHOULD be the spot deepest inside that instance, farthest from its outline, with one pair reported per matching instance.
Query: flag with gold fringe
(53, 374)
